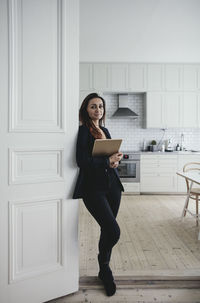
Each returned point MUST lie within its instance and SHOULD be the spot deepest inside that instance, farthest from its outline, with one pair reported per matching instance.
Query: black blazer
(95, 173)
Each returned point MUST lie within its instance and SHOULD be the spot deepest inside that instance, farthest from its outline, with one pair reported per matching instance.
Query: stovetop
(130, 152)
(131, 155)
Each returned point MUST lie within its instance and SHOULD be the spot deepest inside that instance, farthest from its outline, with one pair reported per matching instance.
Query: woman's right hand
(115, 158)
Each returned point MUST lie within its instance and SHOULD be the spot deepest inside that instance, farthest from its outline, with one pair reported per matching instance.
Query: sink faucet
(182, 139)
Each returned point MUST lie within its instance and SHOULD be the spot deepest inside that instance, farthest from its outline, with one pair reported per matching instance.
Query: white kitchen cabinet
(86, 76)
(158, 173)
(137, 77)
(118, 77)
(173, 77)
(190, 77)
(189, 109)
(173, 90)
(131, 188)
(155, 77)
(171, 109)
(182, 160)
(154, 110)
(161, 183)
(82, 95)
(100, 76)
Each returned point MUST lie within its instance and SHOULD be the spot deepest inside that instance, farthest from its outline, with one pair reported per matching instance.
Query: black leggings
(104, 208)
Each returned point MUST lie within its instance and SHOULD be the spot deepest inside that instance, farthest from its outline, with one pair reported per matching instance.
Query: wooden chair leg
(197, 210)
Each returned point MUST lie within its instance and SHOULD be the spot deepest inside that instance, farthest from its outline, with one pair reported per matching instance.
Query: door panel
(38, 128)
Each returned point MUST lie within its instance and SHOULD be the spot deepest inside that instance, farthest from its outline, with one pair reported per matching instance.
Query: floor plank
(153, 237)
(136, 289)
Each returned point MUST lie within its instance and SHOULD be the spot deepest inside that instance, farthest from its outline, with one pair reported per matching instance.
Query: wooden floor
(137, 295)
(157, 258)
(154, 240)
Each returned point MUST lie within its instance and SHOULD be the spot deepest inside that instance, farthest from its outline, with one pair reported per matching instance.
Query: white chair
(194, 193)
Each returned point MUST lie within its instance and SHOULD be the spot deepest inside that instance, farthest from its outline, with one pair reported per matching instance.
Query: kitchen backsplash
(134, 134)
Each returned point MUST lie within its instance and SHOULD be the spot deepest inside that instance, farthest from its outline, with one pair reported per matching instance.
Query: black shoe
(108, 281)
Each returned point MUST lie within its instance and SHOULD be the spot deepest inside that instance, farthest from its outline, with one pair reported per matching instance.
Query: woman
(98, 183)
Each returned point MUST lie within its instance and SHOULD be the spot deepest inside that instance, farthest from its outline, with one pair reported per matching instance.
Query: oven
(129, 167)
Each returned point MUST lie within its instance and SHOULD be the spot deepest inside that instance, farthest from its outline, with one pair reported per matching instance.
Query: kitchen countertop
(188, 152)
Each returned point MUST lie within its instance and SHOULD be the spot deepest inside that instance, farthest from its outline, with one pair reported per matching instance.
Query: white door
(38, 126)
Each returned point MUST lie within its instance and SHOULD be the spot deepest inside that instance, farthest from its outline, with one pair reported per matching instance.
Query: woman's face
(95, 109)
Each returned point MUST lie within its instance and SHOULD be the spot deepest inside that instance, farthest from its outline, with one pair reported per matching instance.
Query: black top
(95, 173)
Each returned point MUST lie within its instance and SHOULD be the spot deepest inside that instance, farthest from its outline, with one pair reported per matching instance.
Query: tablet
(106, 147)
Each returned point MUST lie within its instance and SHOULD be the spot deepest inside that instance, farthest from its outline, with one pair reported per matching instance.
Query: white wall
(140, 30)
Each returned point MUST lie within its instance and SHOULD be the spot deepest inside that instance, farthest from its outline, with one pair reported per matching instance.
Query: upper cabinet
(172, 90)
(155, 110)
(173, 77)
(137, 77)
(155, 77)
(118, 76)
(140, 77)
(163, 110)
(189, 109)
(86, 76)
(191, 73)
(100, 76)
(172, 109)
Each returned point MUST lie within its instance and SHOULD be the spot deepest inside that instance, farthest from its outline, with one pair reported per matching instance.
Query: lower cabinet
(159, 183)
(158, 172)
(131, 187)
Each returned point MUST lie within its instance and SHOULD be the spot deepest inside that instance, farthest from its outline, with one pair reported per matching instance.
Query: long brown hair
(86, 120)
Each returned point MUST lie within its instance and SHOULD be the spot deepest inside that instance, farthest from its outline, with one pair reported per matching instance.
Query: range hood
(123, 110)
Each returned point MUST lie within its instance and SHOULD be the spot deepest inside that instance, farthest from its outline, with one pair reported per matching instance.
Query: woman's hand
(114, 165)
(114, 159)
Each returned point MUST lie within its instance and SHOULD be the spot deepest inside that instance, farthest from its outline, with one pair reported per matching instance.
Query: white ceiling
(140, 30)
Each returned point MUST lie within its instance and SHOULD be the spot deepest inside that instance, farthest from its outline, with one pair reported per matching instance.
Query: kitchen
(159, 83)
(165, 115)
(142, 56)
